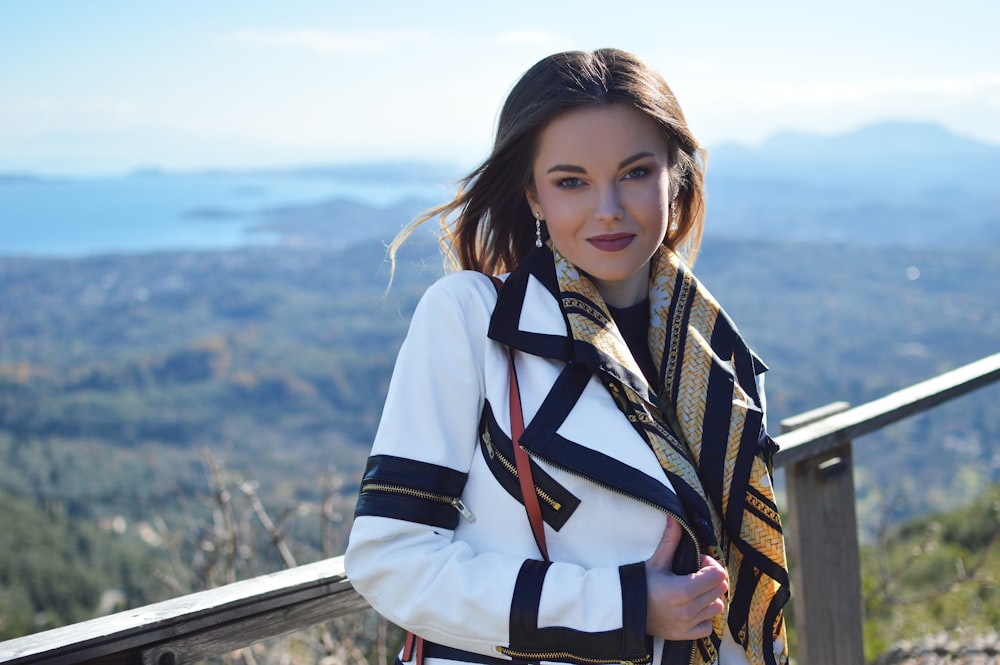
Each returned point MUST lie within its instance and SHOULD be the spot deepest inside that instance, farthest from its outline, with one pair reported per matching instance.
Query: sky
(108, 86)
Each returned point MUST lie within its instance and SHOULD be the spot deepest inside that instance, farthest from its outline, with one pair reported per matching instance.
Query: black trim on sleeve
(410, 490)
(524, 606)
(634, 605)
(556, 643)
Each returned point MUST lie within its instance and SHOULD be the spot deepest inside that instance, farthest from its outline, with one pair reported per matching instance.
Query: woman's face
(601, 183)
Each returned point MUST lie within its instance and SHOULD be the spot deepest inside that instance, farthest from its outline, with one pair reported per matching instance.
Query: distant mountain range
(893, 183)
(890, 183)
(904, 155)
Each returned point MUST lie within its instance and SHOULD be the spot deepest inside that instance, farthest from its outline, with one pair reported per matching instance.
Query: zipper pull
(462, 510)
(489, 444)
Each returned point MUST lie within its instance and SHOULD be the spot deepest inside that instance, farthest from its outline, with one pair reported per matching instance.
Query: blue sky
(105, 86)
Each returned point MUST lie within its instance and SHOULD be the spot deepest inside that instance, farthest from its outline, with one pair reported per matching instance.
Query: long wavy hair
(489, 227)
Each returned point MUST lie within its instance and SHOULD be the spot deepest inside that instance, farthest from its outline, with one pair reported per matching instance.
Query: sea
(153, 211)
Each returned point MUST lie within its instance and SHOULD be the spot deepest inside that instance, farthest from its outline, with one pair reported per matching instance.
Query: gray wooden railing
(821, 531)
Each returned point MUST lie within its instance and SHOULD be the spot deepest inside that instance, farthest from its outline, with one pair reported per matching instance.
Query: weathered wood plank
(836, 430)
(822, 537)
(142, 628)
(800, 420)
(826, 573)
(249, 630)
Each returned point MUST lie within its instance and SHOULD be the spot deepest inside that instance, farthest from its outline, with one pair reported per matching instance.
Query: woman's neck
(623, 293)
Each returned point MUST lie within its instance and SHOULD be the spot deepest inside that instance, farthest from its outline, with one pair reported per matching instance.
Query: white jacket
(441, 544)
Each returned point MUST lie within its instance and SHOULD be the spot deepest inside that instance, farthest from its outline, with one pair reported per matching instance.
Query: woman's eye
(637, 172)
(569, 183)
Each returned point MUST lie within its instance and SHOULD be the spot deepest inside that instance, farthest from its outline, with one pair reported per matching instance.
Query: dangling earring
(673, 215)
(538, 230)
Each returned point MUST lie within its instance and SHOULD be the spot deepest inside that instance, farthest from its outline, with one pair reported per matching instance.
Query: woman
(642, 406)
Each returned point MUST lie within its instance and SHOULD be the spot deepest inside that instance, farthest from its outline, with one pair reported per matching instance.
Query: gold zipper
(558, 655)
(454, 501)
(512, 470)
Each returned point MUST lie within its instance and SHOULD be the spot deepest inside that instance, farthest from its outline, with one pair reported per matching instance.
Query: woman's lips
(612, 242)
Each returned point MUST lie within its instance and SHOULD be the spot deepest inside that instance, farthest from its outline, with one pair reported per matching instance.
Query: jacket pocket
(556, 502)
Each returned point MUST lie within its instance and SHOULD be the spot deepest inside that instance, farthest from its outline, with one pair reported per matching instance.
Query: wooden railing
(821, 530)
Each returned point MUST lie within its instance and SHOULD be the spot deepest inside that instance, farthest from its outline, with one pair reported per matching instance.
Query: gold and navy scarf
(704, 422)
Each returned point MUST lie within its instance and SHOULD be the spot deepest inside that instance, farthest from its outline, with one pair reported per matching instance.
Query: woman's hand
(681, 607)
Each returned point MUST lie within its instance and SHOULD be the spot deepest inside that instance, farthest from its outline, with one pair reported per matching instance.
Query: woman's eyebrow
(572, 168)
(634, 158)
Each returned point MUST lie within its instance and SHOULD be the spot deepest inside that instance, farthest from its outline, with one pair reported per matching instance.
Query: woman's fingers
(712, 575)
(682, 606)
(664, 555)
(676, 611)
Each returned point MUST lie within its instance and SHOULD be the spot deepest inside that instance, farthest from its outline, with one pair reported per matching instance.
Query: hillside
(279, 359)
(55, 570)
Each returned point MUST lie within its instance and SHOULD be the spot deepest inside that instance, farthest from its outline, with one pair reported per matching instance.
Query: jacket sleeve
(403, 556)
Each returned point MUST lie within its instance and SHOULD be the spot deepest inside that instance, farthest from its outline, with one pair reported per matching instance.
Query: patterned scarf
(705, 426)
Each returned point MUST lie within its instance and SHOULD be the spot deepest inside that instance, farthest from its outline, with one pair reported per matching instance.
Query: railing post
(822, 537)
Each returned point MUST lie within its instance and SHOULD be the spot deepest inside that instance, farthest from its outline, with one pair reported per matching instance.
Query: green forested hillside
(116, 371)
(56, 570)
(934, 574)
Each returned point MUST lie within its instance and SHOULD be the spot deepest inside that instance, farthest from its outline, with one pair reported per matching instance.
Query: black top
(633, 322)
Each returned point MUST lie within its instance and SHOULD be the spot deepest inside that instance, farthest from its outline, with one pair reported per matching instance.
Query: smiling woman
(601, 183)
(572, 464)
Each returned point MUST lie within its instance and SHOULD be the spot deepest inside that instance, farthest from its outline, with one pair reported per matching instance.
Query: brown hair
(494, 229)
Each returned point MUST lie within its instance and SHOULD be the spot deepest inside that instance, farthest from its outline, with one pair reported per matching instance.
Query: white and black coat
(441, 545)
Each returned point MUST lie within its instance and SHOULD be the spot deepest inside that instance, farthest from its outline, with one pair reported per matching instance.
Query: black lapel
(505, 322)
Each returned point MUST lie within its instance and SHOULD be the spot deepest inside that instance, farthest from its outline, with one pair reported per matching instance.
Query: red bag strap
(521, 459)
(523, 463)
(414, 645)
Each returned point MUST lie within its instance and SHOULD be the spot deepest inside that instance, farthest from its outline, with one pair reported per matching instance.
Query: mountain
(893, 183)
(917, 154)
(889, 184)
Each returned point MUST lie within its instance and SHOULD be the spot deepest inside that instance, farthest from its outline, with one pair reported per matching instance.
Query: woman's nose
(609, 205)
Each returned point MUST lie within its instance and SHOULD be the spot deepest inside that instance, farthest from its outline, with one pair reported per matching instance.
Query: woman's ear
(529, 194)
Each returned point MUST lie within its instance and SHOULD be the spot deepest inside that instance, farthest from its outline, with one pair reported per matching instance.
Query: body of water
(156, 211)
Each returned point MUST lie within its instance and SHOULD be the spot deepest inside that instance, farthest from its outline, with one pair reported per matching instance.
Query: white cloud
(36, 115)
(362, 42)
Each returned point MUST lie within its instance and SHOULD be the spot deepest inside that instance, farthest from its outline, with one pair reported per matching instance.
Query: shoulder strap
(521, 459)
(413, 648)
